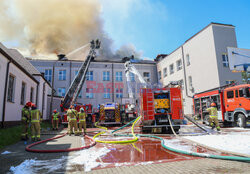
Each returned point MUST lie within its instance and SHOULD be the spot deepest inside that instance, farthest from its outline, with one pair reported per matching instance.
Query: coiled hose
(135, 138)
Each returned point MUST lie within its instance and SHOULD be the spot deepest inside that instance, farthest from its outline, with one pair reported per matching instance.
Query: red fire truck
(110, 114)
(157, 104)
(233, 104)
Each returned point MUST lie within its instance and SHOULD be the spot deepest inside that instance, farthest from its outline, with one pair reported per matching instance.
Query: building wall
(206, 69)
(97, 68)
(3, 67)
(223, 38)
(43, 90)
(13, 109)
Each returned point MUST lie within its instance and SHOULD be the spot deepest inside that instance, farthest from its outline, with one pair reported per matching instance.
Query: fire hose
(233, 158)
(28, 148)
(135, 138)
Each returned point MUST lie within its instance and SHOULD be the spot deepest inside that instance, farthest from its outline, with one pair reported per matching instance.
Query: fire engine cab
(233, 104)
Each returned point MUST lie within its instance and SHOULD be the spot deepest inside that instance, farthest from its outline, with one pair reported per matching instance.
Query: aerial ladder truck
(76, 85)
(157, 106)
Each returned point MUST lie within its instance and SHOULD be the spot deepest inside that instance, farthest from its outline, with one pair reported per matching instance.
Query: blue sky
(160, 26)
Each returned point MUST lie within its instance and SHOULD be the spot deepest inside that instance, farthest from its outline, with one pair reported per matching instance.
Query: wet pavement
(147, 151)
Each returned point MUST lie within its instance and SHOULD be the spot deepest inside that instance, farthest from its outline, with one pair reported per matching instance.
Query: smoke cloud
(45, 27)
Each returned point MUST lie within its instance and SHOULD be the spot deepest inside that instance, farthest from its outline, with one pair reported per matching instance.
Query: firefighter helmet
(213, 104)
(29, 104)
(81, 109)
(71, 107)
(55, 111)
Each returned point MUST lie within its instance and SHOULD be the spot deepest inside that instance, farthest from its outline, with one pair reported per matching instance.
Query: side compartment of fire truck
(157, 104)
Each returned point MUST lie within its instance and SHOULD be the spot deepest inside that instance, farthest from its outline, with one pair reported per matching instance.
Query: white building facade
(201, 63)
(18, 86)
(102, 77)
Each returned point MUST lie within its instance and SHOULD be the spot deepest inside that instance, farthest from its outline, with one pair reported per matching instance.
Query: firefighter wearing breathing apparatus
(82, 121)
(25, 120)
(72, 121)
(35, 116)
(213, 118)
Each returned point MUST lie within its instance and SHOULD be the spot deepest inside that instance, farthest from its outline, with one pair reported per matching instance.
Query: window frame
(60, 93)
(31, 94)
(48, 76)
(23, 93)
(165, 72)
(171, 70)
(106, 75)
(89, 93)
(178, 64)
(225, 61)
(119, 92)
(188, 59)
(62, 77)
(118, 76)
(11, 92)
(106, 93)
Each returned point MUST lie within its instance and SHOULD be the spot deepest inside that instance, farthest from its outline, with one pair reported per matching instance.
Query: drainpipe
(184, 70)
(43, 97)
(5, 93)
(37, 94)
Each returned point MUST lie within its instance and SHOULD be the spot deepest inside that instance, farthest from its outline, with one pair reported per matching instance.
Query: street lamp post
(62, 58)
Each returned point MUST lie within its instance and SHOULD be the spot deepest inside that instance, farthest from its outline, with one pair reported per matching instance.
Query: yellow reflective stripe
(213, 116)
(72, 118)
(35, 121)
(82, 120)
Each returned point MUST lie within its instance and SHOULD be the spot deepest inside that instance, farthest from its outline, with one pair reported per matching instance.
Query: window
(188, 59)
(179, 65)
(146, 76)
(171, 68)
(11, 88)
(236, 93)
(48, 74)
(132, 77)
(241, 93)
(159, 75)
(165, 72)
(228, 82)
(118, 76)
(89, 93)
(230, 94)
(190, 82)
(106, 76)
(106, 93)
(23, 92)
(31, 94)
(62, 75)
(225, 60)
(61, 92)
(89, 76)
(180, 82)
(119, 92)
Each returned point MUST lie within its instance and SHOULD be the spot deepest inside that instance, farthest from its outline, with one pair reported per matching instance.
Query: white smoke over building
(46, 27)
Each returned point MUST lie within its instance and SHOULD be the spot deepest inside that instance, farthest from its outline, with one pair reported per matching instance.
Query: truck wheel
(241, 121)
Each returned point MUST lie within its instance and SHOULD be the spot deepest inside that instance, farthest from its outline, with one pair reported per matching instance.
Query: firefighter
(213, 118)
(35, 116)
(72, 121)
(25, 121)
(55, 120)
(82, 121)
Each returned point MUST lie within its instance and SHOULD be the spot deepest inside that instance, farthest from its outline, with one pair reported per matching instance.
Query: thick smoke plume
(55, 26)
